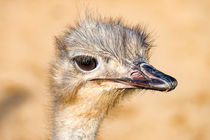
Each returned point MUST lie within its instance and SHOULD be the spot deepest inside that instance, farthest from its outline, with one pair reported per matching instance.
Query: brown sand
(181, 31)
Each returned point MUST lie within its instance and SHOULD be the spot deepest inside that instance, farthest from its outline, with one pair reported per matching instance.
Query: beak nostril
(136, 75)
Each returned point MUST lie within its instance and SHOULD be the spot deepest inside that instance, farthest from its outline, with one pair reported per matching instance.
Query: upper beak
(145, 76)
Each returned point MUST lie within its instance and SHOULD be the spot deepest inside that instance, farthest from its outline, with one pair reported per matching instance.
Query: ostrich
(98, 62)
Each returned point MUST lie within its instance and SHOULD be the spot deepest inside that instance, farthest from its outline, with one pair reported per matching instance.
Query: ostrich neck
(80, 118)
(76, 122)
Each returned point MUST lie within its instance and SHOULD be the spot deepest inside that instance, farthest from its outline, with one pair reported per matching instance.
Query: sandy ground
(181, 32)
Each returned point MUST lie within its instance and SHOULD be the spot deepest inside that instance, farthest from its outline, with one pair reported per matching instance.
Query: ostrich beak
(145, 76)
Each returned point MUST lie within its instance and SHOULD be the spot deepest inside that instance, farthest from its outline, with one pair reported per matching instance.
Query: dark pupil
(86, 63)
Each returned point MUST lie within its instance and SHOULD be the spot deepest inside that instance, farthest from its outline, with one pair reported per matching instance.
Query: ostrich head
(99, 62)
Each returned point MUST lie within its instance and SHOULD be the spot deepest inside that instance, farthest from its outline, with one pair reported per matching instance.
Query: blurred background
(181, 30)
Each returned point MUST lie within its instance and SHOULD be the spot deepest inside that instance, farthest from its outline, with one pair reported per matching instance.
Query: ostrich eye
(86, 63)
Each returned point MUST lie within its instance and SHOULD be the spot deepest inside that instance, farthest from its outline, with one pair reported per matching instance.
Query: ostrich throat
(80, 117)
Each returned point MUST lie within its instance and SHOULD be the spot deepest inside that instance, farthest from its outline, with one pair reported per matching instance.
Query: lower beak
(145, 76)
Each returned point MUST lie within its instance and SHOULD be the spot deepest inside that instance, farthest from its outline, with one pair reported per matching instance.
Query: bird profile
(98, 62)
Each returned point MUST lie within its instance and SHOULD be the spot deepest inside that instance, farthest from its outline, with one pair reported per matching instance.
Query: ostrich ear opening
(61, 50)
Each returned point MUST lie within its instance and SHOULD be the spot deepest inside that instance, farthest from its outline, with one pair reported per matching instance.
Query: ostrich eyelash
(82, 59)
